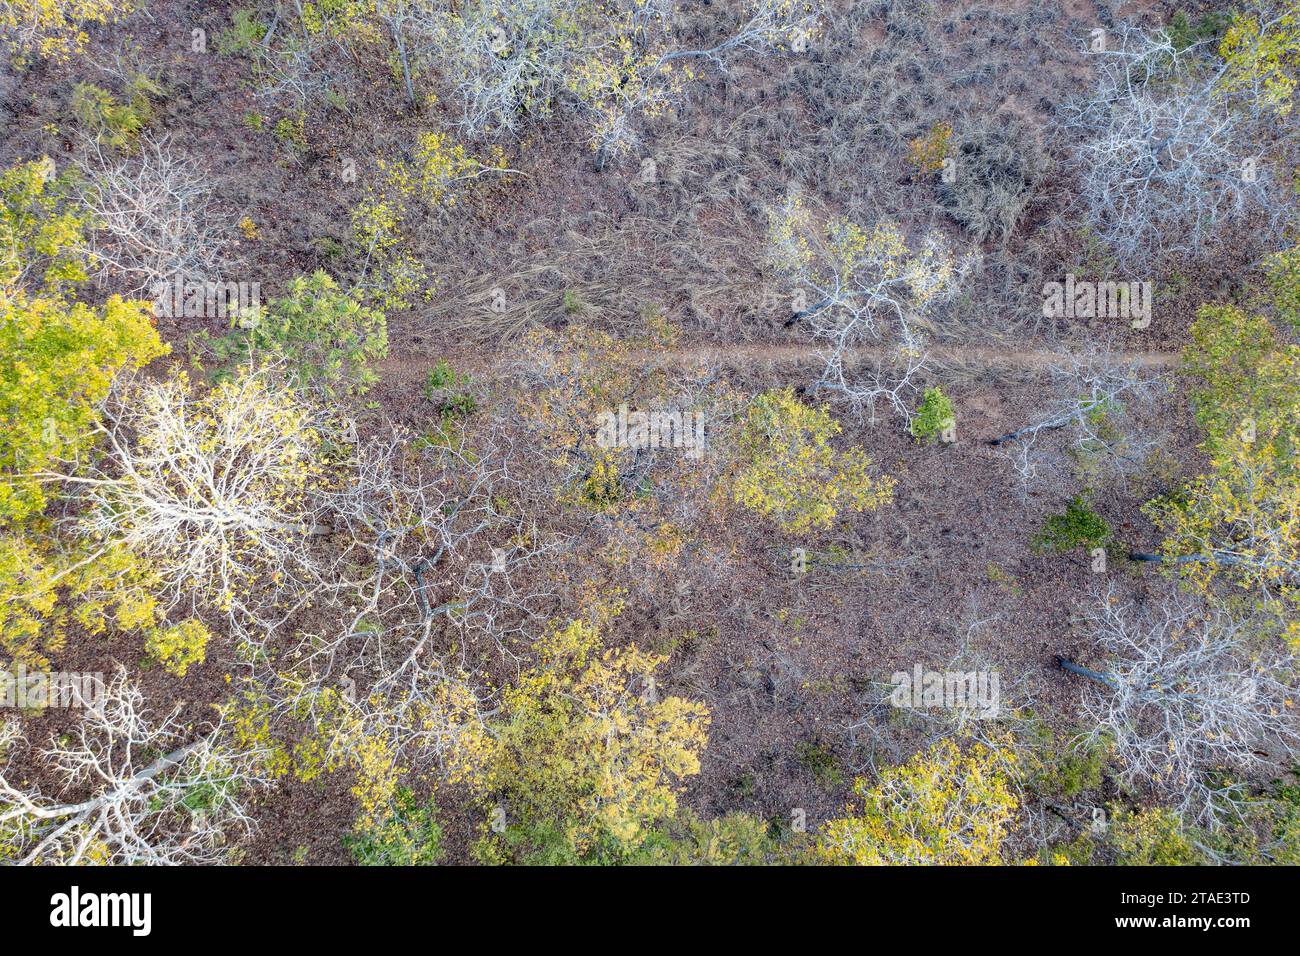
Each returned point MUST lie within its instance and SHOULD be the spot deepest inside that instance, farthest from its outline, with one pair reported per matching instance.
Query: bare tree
(213, 489)
(509, 59)
(615, 64)
(864, 294)
(148, 790)
(436, 541)
(770, 25)
(155, 218)
(1166, 159)
(1186, 692)
(613, 106)
(1093, 404)
(432, 568)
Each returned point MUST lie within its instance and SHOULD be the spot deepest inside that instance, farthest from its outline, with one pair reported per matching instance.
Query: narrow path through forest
(745, 355)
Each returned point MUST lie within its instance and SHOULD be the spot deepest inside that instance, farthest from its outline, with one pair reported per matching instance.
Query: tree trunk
(806, 312)
(1074, 668)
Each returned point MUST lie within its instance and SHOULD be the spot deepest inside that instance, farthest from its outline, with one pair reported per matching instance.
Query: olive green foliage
(1079, 526)
(1057, 765)
(935, 414)
(326, 339)
(243, 36)
(819, 760)
(1183, 32)
(449, 390)
(1285, 819)
(1282, 272)
(409, 835)
(115, 123)
(1152, 837)
(737, 839)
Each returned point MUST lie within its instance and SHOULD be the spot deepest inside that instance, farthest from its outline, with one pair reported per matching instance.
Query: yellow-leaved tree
(1262, 52)
(58, 357)
(945, 806)
(787, 470)
(42, 236)
(47, 588)
(588, 755)
(54, 28)
(1240, 521)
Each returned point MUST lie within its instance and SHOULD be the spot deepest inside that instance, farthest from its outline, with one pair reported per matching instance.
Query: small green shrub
(325, 337)
(1153, 837)
(817, 758)
(448, 389)
(408, 836)
(336, 99)
(244, 35)
(292, 131)
(935, 414)
(328, 248)
(111, 121)
(1079, 526)
(1057, 767)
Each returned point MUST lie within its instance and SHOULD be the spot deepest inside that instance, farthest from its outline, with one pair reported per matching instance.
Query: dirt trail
(760, 354)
